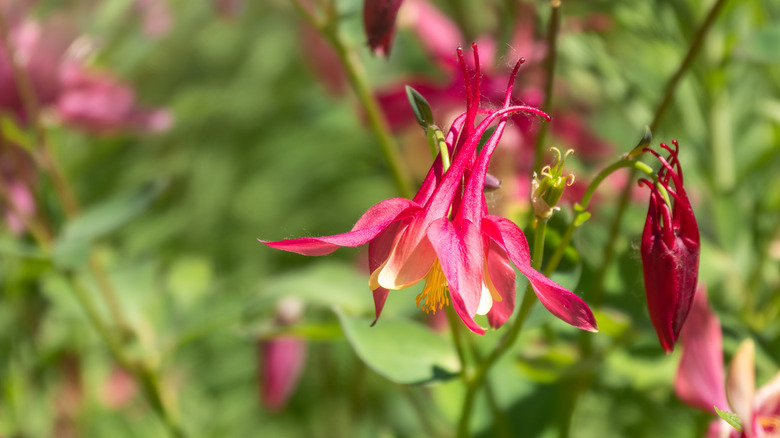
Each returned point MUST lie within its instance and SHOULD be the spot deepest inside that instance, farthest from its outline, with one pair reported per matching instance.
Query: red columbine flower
(379, 23)
(445, 237)
(670, 251)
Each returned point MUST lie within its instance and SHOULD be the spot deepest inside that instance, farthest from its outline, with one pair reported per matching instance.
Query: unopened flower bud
(670, 251)
(547, 190)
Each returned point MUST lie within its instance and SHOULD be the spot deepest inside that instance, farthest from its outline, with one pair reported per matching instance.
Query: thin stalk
(47, 161)
(27, 95)
(529, 299)
(357, 79)
(581, 208)
(454, 322)
(669, 90)
(39, 231)
(143, 374)
(549, 66)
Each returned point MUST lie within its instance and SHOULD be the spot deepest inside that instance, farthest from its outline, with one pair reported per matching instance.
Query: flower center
(770, 424)
(435, 293)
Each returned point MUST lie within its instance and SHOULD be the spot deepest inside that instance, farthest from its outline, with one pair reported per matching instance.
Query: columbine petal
(501, 277)
(699, 381)
(767, 399)
(741, 384)
(559, 301)
(458, 245)
(370, 225)
(410, 258)
(378, 250)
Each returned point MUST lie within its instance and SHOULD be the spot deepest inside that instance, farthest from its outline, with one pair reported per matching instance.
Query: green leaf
(325, 284)
(762, 45)
(730, 418)
(647, 138)
(401, 350)
(72, 248)
(13, 133)
(111, 214)
(420, 106)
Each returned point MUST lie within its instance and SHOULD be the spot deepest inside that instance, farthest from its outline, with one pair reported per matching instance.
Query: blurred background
(237, 123)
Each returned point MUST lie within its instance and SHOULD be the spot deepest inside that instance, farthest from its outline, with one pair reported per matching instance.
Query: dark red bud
(670, 252)
(379, 23)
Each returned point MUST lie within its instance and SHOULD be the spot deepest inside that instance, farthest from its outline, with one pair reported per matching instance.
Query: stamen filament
(435, 293)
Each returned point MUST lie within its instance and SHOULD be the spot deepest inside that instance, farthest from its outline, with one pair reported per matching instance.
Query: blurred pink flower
(97, 102)
(700, 381)
(75, 95)
(16, 170)
(156, 16)
(228, 8)
(118, 389)
(282, 362)
(282, 358)
(93, 101)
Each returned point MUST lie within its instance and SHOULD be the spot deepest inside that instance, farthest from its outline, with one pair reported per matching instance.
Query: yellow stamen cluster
(435, 293)
(770, 423)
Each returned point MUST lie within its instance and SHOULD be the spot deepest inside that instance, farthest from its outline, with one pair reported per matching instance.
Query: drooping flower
(700, 382)
(670, 251)
(444, 236)
(379, 23)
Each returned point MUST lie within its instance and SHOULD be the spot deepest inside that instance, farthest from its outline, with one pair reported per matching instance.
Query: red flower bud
(379, 22)
(670, 251)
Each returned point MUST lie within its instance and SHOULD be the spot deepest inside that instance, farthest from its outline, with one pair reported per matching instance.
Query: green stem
(698, 39)
(357, 79)
(549, 66)
(71, 207)
(529, 299)
(457, 339)
(581, 208)
(143, 374)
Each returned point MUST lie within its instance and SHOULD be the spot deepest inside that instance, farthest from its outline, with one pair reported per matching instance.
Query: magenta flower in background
(282, 361)
(17, 172)
(78, 96)
(97, 102)
(670, 251)
(156, 16)
(445, 237)
(379, 24)
(700, 381)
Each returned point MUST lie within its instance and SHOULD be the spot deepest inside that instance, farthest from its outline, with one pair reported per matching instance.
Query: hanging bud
(670, 250)
(281, 358)
(379, 23)
(547, 191)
